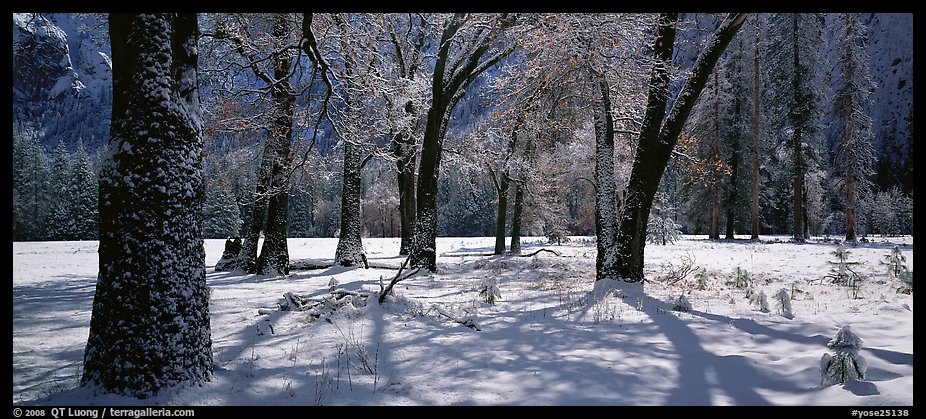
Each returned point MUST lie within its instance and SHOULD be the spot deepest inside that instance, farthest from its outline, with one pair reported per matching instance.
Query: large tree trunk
(502, 217)
(150, 323)
(350, 245)
(715, 156)
(271, 195)
(756, 140)
(274, 255)
(425, 234)
(657, 139)
(247, 256)
(734, 173)
(404, 151)
(797, 172)
(606, 191)
(515, 248)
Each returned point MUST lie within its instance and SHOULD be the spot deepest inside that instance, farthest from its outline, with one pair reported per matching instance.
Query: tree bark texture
(756, 139)
(150, 324)
(515, 247)
(350, 252)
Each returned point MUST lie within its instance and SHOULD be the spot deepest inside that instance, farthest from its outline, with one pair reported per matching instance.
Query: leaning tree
(624, 230)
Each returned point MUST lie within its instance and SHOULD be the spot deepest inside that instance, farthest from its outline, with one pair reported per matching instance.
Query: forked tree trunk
(448, 84)
(274, 255)
(271, 195)
(656, 141)
(150, 324)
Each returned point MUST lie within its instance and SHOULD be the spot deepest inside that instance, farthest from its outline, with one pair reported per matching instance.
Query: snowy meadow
(708, 327)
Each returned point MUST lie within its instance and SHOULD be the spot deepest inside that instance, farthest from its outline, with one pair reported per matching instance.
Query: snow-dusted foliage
(854, 154)
(795, 67)
(841, 271)
(150, 326)
(52, 203)
(844, 363)
(681, 304)
(896, 262)
(488, 290)
(759, 301)
(783, 303)
(220, 213)
(662, 230)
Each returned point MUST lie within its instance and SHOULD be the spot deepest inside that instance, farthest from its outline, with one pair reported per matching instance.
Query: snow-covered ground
(546, 341)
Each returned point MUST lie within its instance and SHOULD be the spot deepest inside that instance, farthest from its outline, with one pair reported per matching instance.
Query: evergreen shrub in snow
(662, 230)
(682, 304)
(895, 263)
(845, 363)
(841, 272)
(907, 287)
(783, 303)
(488, 290)
(740, 279)
(701, 279)
(760, 301)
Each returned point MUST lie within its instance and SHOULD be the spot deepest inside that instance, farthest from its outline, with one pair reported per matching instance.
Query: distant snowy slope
(62, 78)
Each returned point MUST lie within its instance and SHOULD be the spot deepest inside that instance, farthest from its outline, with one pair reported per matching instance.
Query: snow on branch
(465, 321)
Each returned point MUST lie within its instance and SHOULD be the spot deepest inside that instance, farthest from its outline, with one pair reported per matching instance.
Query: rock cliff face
(62, 78)
(890, 46)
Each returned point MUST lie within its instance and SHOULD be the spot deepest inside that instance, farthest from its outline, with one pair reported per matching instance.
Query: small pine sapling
(662, 230)
(701, 279)
(489, 291)
(845, 363)
(760, 301)
(682, 304)
(661, 227)
(907, 278)
(333, 284)
(783, 303)
(895, 263)
(841, 272)
(740, 279)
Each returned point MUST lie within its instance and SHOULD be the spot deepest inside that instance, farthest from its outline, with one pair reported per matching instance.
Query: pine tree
(30, 186)
(783, 303)
(845, 363)
(853, 155)
(661, 228)
(220, 213)
(150, 323)
(84, 206)
(61, 193)
(794, 63)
